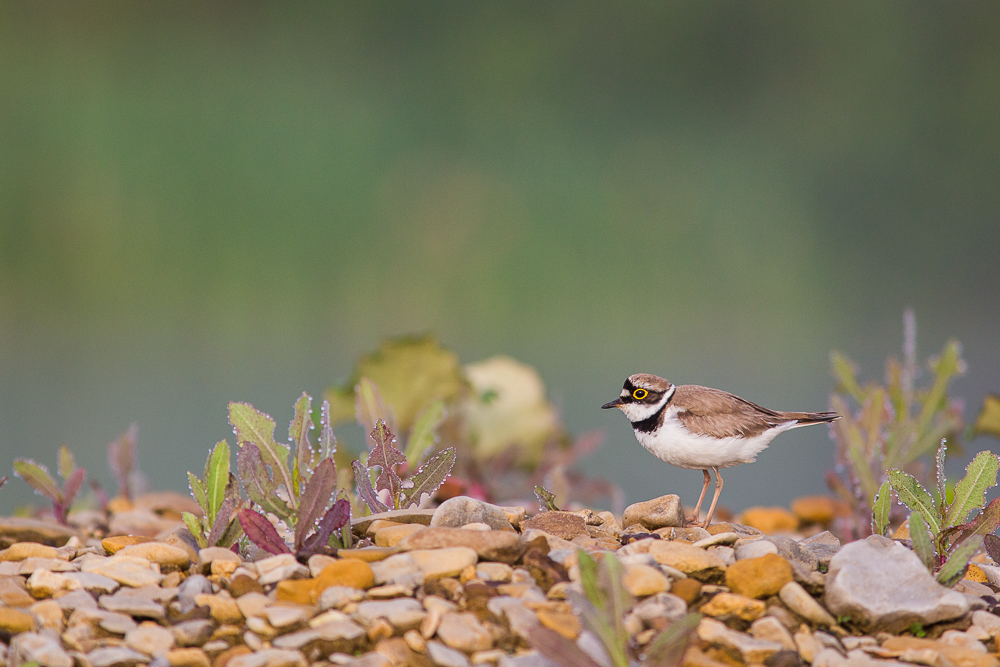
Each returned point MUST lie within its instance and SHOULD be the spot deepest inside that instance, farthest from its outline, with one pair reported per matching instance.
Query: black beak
(613, 404)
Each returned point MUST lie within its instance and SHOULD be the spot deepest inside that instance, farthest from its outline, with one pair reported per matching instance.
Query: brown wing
(721, 414)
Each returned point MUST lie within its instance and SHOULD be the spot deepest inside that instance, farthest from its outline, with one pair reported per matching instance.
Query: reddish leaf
(122, 457)
(262, 533)
(3, 480)
(72, 487)
(365, 489)
(985, 523)
(386, 456)
(257, 480)
(222, 519)
(336, 517)
(992, 544)
(39, 478)
(429, 478)
(319, 490)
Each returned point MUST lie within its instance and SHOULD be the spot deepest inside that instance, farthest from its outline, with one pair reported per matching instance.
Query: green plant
(602, 608)
(216, 493)
(917, 630)
(390, 490)
(941, 534)
(895, 425)
(38, 477)
(300, 495)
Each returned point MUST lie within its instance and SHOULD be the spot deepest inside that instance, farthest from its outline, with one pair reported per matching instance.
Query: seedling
(38, 477)
(216, 493)
(602, 608)
(123, 460)
(940, 532)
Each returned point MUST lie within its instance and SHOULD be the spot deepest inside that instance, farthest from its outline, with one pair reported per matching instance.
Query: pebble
(494, 572)
(269, 657)
(168, 557)
(691, 560)
(750, 648)
(15, 529)
(193, 633)
(755, 548)
(461, 510)
(644, 580)
(883, 586)
(218, 561)
(31, 647)
(222, 608)
(282, 616)
(463, 631)
(151, 640)
(188, 657)
(79, 599)
(769, 520)
(564, 525)
(139, 606)
(390, 536)
(14, 621)
(443, 656)
(817, 509)
(403, 613)
(726, 605)
(798, 600)
(13, 592)
(115, 656)
(759, 577)
(335, 597)
(495, 546)
(447, 562)
(126, 570)
(46, 584)
(22, 550)
(662, 512)
(771, 629)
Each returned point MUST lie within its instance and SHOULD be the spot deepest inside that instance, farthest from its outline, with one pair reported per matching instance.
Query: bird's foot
(693, 520)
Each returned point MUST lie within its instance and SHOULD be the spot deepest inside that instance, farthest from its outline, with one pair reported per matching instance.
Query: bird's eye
(640, 394)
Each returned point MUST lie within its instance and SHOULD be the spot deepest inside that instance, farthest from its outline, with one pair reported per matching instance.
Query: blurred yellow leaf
(988, 420)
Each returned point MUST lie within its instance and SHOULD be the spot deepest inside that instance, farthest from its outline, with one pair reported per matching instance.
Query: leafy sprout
(216, 493)
(37, 475)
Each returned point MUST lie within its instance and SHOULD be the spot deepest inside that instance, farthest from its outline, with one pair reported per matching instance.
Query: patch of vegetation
(941, 534)
(216, 494)
(37, 475)
(893, 425)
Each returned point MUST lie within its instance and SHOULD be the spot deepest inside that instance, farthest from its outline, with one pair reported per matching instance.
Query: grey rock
(443, 656)
(78, 599)
(662, 512)
(791, 550)
(194, 585)
(462, 510)
(336, 597)
(109, 621)
(115, 656)
(662, 605)
(798, 600)
(883, 585)
(402, 613)
(823, 545)
(134, 605)
(34, 647)
(193, 633)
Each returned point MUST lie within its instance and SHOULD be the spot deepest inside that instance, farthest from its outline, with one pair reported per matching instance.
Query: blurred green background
(202, 202)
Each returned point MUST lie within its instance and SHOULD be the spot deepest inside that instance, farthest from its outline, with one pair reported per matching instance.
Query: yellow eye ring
(639, 394)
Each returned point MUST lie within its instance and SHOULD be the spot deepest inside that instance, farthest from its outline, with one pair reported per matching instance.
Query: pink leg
(715, 498)
(694, 518)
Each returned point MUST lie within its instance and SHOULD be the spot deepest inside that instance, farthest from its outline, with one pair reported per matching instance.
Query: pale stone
(494, 572)
(798, 600)
(252, 604)
(691, 560)
(439, 563)
(463, 631)
(22, 550)
(126, 570)
(443, 656)
(751, 648)
(662, 512)
(403, 613)
(150, 639)
(644, 580)
(96, 583)
(495, 546)
(461, 510)
(168, 557)
(771, 629)
(50, 614)
(222, 609)
(281, 616)
(390, 536)
(218, 561)
(193, 633)
(31, 647)
(336, 597)
(29, 565)
(317, 562)
(725, 605)
(115, 656)
(45, 584)
(271, 657)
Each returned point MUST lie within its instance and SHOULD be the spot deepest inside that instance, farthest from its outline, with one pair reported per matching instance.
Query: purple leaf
(991, 542)
(336, 517)
(257, 481)
(385, 456)
(558, 649)
(429, 478)
(365, 489)
(262, 533)
(73, 485)
(121, 458)
(222, 519)
(38, 477)
(3, 480)
(985, 523)
(314, 499)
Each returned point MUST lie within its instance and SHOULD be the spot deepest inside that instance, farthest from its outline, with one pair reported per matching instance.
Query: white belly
(678, 447)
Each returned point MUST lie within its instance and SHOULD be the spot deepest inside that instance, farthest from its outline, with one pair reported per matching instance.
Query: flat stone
(987, 621)
(731, 605)
(347, 572)
(422, 516)
(96, 583)
(31, 647)
(461, 510)
(494, 572)
(823, 545)
(14, 621)
(565, 525)
(496, 546)
(45, 584)
(22, 550)
(275, 568)
(20, 529)
(115, 656)
(287, 616)
(771, 629)
(769, 520)
(110, 621)
(297, 591)
(663, 512)
(222, 608)
(519, 618)
(440, 563)
(339, 635)
(218, 560)
(336, 597)
(403, 613)
(882, 585)
(644, 580)
(151, 640)
(241, 584)
(794, 552)
(79, 599)
(462, 631)
(442, 656)
(390, 536)
(190, 588)
(49, 615)
(193, 633)
(113, 545)
(690, 560)
(798, 600)
(29, 565)
(560, 620)
(126, 570)
(13, 592)
(270, 657)
(907, 648)
(752, 649)
(759, 577)
(133, 605)
(187, 657)
(963, 640)
(400, 569)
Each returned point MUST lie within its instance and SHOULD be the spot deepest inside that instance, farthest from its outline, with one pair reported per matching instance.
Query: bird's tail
(807, 418)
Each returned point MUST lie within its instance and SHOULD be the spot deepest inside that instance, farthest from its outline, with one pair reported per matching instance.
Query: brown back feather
(721, 414)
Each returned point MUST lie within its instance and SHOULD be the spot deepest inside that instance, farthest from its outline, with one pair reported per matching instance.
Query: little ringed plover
(699, 428)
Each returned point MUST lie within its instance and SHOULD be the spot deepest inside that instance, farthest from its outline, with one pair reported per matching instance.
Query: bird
(700, 428)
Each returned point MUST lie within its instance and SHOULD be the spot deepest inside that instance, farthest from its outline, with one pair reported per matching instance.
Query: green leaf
(257, 481)
(424, 432)
(914, 496)
(370, 407)
(941, 482)
(546, 499)
(958, 562)
(923, 543)
(428, 478)
(38, 477)
(234, 531)
(327, 441)
(198, 491)
(588, 579)
(880, 510)
(194, 526)
(251, 425)
(618, 598)
(216, 479)
(597, 622)
(945, 367)
(845, 373)
(970, 493)
(66, 463)
(988, 421)
(298, 433)
(667, 650)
